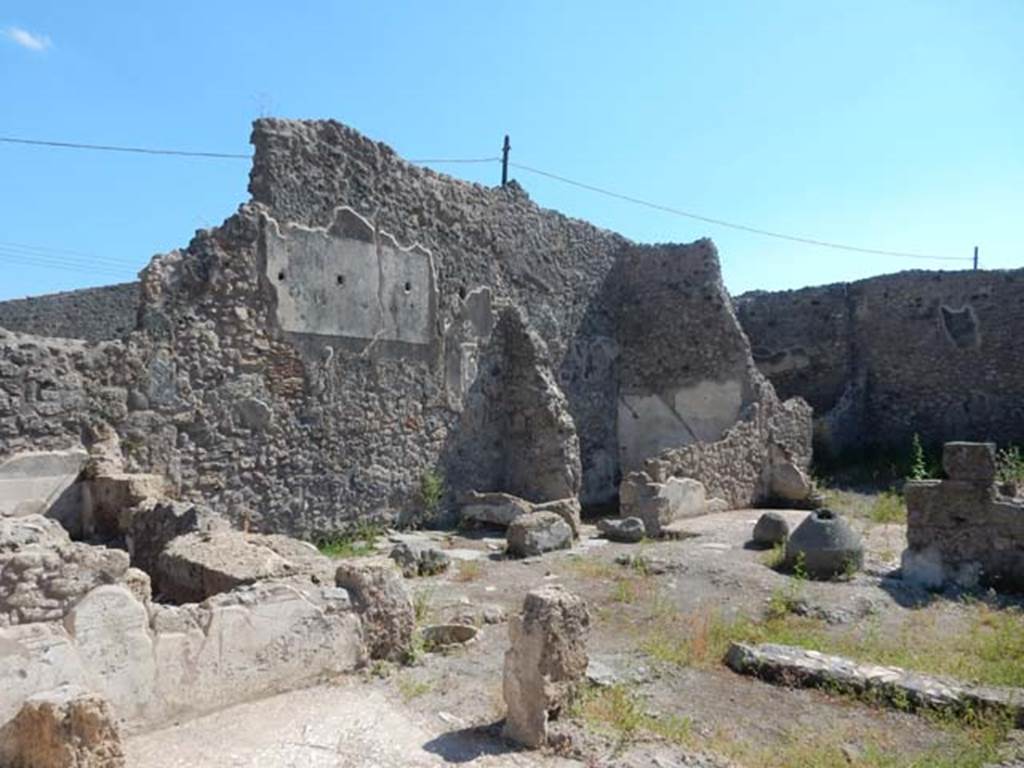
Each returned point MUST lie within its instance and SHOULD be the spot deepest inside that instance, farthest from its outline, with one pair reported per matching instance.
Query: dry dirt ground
(659, 696)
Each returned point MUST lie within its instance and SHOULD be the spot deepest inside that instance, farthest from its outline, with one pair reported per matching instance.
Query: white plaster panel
(367, 287)
(651, 423)
(30, 482)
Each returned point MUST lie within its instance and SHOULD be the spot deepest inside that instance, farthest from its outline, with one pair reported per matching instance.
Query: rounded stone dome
(825, 545)
(771, 529)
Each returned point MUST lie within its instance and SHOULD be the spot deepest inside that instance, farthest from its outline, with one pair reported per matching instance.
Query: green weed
(888, 508)
(1010, 466)
(918, 465)
(358, 541)
(432, 491)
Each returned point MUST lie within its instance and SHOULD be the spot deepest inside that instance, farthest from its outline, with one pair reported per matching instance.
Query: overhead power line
(548, 174)
(190, 153)
(58, 263)
(43, 251)
(424, 161)
(733, 225)
(113, 148)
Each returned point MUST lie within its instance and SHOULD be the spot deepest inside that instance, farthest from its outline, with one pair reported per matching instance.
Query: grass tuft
(356, 542)
(468, 570)
(888, 508)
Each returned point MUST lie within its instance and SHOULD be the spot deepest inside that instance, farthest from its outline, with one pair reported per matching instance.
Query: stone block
(545, 663)
(568, 509)
(150, 526)
(106, 497)
(800, 667)
(382, 602)
(419, 559)
(659, 504)
(537, 533)
(173, 661)
(628, 530)
(789, 483)
(252, 641)
(33, 658)
(109, 628)
(66, 727)
(493, 508)
(974, 462)
(195, 566)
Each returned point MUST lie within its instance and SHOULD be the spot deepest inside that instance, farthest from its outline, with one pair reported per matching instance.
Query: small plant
(888, 508)
(800, 568)
(421, 605)
(410, 688)
(469, 570)
(783, 601)
(356, 542)
(614, 709)
(918, 463)
(627, 590)
(774, 557)
(850, 568)
(417, 649)
(1010, 468)
(432, 491)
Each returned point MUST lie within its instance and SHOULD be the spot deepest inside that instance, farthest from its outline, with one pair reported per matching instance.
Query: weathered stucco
(347, 281)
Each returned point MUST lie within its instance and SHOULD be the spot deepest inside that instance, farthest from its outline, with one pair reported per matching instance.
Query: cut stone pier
(546, 662)
(962, 531)
(382, 601)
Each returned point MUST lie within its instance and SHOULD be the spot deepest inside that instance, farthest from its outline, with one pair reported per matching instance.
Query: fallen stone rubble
(798, 667)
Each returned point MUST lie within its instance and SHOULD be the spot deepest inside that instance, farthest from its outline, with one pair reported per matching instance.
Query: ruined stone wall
(802, 341)
(51, 390)
(93, 314)
(691, 401)
(515, 434)
(550, 265)
(305, 364)
(936, 353)
(685, 370)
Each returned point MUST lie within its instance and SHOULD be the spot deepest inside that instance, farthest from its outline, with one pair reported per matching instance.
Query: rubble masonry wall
(303, 365)
(936, 353)
(93, 314)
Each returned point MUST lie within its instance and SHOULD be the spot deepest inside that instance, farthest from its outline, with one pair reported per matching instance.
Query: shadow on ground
(468, 744)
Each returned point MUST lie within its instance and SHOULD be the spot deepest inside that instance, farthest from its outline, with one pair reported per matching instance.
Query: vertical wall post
(504, 161)
(975, 257)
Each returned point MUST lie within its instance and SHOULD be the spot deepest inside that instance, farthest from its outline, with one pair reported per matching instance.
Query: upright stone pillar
(546, 662)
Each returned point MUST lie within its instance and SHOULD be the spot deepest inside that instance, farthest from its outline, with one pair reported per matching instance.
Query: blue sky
(896, 125)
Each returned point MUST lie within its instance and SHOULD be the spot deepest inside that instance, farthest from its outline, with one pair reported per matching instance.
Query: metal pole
(504, 161)
(975, 257)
